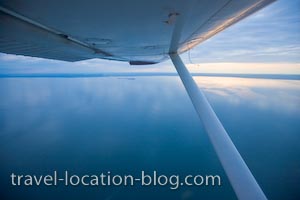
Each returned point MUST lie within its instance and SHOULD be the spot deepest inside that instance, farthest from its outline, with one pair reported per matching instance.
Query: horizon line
(143, 74)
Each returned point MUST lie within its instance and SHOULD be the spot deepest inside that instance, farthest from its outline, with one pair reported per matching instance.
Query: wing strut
(240, 177)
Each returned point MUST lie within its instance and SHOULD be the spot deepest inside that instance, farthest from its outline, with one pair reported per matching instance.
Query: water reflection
(89, 125)
(260, 93)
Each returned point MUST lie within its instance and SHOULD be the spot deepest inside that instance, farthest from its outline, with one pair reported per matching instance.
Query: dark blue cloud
(270, 35)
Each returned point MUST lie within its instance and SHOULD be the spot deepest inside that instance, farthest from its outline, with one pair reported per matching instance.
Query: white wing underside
(135, 31)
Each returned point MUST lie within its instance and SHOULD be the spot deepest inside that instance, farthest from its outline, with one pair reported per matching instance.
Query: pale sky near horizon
(266, 42)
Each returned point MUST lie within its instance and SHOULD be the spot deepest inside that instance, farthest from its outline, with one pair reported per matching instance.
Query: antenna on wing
(190, 58)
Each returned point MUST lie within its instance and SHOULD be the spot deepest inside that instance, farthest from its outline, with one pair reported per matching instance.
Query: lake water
(130, 124)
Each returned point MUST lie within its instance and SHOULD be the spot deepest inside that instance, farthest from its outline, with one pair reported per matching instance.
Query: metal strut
(238, 173)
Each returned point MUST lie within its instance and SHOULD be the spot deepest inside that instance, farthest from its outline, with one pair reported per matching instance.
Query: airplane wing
(136, 31)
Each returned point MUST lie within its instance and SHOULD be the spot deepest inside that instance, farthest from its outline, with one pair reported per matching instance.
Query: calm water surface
(125, 125)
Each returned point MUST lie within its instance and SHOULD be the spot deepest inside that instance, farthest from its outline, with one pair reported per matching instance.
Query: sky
(266, 42)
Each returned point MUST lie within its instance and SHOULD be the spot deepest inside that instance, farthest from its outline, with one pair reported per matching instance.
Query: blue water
(125, 125)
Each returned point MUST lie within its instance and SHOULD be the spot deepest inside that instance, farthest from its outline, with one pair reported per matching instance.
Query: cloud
(10, 58)
(270, 35)
(246, 68)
